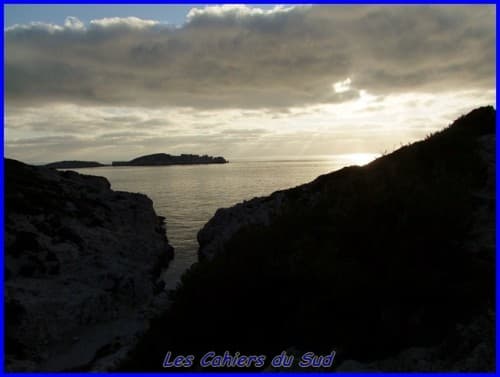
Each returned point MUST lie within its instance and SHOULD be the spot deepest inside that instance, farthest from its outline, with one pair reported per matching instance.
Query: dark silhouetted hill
(391, 264)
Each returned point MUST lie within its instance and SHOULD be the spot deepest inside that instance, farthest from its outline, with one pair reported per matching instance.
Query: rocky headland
(159, 159)
(391, 264)
(74, 164)
(81, 269)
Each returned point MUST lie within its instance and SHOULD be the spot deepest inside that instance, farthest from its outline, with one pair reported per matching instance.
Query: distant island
(74, 164)
(158, 159)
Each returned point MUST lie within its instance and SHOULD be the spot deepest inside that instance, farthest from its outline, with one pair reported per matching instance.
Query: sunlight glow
(342, 86)
(359, 159)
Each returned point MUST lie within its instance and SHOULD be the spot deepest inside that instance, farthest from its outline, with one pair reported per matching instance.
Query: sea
(188, 195)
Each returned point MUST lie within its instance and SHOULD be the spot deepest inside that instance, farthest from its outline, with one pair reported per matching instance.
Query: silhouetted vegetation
(376, 263)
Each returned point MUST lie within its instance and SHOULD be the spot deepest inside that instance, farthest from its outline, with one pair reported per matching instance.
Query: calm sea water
(188, 196)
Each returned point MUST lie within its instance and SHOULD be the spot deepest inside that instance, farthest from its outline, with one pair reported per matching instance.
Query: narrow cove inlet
(188, 196)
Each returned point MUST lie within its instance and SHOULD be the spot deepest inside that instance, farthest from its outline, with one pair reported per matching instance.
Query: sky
(114, 82)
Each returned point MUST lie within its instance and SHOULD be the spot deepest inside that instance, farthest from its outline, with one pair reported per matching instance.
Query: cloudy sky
(246, 82)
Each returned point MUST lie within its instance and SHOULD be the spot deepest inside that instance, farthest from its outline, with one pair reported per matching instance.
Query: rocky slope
(381, 263)
(262, 211)
(158, 159)
(81, 269)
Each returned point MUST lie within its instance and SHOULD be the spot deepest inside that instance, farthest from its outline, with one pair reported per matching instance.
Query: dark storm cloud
(247, 58)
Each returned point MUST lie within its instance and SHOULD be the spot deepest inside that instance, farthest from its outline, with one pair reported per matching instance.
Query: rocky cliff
(81, 269)
(389, 264)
